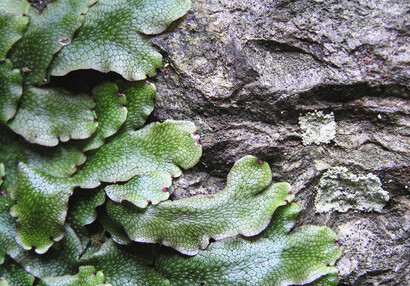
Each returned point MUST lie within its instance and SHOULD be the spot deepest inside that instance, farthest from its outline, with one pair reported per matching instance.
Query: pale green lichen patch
(245, 207)
(317, 128)
(340, 190)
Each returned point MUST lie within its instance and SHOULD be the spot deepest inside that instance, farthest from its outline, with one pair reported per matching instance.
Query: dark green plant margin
(85, 184)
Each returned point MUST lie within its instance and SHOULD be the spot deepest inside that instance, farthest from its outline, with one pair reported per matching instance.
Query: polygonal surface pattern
(158, 146)
(109, 42)
(87, 276)
(40, 198)
(277, 257)
(142, 190)
(46, 34)
(245, 207)
(124, 269)
(10, 89)
(47, 116)
(14, 275)
(140, 102)
(110, 111)
(13, 22)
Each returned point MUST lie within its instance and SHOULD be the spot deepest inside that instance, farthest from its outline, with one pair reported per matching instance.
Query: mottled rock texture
(245, 71)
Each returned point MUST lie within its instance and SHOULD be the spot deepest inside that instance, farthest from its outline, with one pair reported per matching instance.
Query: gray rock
(245, 71)
(40, 5)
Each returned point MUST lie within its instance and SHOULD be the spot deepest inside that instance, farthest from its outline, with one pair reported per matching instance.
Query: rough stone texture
(40, 5)
(245, 71)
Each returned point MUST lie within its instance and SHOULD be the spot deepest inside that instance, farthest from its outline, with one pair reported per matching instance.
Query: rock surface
(245, 71)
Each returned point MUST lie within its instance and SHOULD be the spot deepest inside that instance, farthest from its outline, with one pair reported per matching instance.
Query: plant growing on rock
(85, 183)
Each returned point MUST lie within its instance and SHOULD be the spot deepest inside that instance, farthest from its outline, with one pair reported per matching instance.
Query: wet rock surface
(245, 71)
